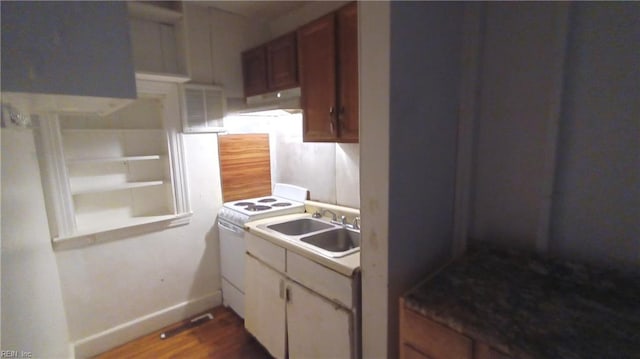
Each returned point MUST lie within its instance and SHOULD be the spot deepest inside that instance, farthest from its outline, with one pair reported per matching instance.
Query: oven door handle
(230, 227)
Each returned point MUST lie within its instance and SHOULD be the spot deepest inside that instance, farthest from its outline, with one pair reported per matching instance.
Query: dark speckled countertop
(531, 307)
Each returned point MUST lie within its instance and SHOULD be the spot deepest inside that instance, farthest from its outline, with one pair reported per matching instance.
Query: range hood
(287, 100)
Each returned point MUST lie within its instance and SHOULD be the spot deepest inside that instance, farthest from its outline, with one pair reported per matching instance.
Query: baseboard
(110, 338)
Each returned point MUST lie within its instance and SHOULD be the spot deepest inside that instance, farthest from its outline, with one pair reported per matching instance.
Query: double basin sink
(326, 238)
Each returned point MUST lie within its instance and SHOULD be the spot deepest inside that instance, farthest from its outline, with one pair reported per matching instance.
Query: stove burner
(257, 208)
(281, 204)
(267, 200)
(243, 204)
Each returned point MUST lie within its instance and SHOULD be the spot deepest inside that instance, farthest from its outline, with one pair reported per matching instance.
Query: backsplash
(330, 171)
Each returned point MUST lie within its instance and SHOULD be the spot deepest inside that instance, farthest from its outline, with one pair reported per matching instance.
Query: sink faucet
(334, 217)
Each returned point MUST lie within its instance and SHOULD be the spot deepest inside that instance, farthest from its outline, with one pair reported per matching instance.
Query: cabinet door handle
(287, 295)
(282, 289)
(332, 119)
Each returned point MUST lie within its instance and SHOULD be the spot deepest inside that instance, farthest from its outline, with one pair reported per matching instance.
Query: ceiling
(263, 10)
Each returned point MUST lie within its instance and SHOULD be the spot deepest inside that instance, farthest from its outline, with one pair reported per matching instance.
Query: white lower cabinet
(316, 327)
(264, 306)
(287, 317)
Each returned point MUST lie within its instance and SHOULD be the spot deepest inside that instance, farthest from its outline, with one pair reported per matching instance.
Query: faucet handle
(343, 220)
(316, 214)
(356, 223)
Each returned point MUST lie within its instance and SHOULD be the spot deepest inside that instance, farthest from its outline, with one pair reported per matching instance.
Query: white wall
(230, 35)
(113, 292)
(596, 209)
(33, 317)
(517, 116)
(329, 170)
(374, 43)
(558, 161)
(298, 17)
(426, 40)
(215, 41)
(138, 284)
(199, 44)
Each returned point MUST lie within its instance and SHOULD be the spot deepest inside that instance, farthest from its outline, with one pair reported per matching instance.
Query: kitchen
(172, 271)
(101, 276)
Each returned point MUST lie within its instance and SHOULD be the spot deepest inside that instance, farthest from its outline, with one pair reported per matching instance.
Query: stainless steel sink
(339, 242)
(300, 226)
(327, 239)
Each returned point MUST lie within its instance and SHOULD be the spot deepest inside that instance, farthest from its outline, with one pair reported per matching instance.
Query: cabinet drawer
(266, 251)
(412, 353)
(433, 339)
(483, 351)
(320, 279)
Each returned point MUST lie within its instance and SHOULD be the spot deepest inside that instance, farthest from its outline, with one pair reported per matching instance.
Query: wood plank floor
(222, 337)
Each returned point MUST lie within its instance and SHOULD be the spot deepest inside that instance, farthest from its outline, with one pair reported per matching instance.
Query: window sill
(114, 232)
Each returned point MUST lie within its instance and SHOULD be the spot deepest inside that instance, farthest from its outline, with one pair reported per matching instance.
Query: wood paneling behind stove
(245, 166)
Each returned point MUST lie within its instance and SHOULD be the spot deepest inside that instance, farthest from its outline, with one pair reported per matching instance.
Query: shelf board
(112, 159)
(129, 185)
(125, 229)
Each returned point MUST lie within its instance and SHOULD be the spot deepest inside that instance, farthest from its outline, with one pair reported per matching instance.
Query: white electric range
(285, 199)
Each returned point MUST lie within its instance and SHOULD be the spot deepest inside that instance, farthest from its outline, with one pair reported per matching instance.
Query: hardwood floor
(222, 337)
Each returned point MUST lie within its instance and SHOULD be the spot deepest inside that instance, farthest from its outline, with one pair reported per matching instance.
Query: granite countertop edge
(516, 301)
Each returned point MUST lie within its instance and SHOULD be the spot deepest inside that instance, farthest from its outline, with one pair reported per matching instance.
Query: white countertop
(346, 265)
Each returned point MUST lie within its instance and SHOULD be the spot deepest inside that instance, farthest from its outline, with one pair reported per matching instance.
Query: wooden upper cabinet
(317, 60)
(348, 72)
(282, 63)
(328, 64)
(254, 71)
(271, 67)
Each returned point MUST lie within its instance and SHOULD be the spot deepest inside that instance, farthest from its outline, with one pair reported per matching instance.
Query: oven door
(232, 250)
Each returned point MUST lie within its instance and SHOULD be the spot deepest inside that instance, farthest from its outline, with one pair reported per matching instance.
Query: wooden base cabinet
(423, 338)
(287, 317)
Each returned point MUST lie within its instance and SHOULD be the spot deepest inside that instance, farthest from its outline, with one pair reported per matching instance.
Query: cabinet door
(282, 63)
(265, 306)
(77, 48)
(316, 327)
(348, 72)
(317, 61)
(254, 71)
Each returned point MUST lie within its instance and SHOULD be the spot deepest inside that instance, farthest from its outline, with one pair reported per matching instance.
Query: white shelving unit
(108, 174)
